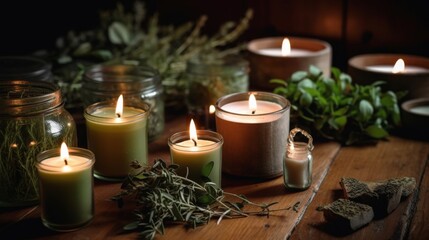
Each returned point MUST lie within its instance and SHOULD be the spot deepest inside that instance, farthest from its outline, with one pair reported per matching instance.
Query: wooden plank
(279, 224)
(419, 225)
(109, 220)
(393, 158)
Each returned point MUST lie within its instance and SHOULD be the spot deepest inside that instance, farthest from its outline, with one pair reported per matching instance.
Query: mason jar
(32, 120)
(106, 82)
(24, 67)
(210, 79)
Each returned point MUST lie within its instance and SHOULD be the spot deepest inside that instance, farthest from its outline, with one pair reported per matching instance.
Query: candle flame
(212, 109)
(119, 106)
(64, 153)
(399, 66)
(193, 132)
(286, 47)
(252, 103)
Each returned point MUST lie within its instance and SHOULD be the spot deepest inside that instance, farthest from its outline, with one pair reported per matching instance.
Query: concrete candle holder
(266, 65)
(368, 68)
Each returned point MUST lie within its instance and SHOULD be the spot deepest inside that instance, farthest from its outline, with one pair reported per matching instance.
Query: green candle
(117, 137)
(66, 188)
(199, 154)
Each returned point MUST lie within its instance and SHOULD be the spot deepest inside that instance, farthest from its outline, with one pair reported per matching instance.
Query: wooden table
(397, 156)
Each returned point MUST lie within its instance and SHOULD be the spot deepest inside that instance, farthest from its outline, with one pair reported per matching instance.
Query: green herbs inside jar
(32, 119)
(211, 78)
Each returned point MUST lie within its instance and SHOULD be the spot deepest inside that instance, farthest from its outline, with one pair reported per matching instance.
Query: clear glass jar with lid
(210, 78)
(133, 80)
(32, 119)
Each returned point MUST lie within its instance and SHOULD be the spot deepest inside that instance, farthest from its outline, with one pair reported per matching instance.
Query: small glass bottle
(298, 161)
(133, 80)
(210, 79)
(32, 119)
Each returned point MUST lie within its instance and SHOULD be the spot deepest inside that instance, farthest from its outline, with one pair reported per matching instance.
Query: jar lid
(24, 68)
(23, 97)
(124, 78)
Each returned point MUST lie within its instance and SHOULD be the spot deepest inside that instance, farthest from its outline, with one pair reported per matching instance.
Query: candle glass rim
(130, 103)
(73, 151)
(267, 96)
(201, 134)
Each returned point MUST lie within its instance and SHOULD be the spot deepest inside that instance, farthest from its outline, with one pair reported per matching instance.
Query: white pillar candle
(66, 188)
(255, 137)
(196, 152)
(117, 139)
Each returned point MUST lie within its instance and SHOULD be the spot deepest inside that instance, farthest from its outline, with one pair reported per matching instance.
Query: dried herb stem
(165, 197)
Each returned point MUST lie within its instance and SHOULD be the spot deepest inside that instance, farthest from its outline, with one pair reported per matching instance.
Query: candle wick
(65, 161)
(118, 115)
(195, 142)
(253, 112)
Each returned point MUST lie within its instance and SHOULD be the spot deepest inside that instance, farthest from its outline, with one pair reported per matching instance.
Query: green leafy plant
(165, 197)
(335, 108)
(125, 34)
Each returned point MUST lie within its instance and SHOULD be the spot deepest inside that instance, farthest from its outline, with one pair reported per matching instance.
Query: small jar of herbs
(32, 119)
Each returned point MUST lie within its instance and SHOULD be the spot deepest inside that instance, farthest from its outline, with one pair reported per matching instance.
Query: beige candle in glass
(117, 136)
(66, 188)
(198, 153)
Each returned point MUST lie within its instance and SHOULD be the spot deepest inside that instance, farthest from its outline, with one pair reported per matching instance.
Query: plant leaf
(207, 169)
(376, 132)
(118, 33)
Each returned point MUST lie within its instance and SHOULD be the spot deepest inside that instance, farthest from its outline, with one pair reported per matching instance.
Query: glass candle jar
(209, 80)
(106, 82)
(254, 138)
(298, 162)
(200, 161)
(32, 119)
(117, 141)
(24, 68)
(66, 188)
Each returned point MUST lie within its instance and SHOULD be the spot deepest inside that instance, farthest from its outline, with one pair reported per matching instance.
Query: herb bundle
(163, 197)
(335, 108)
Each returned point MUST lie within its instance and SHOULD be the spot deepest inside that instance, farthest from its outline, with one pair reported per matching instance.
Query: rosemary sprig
(165, 197)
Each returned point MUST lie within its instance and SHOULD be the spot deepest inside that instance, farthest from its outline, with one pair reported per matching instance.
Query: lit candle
(66, 187)
(255, 127)
(278, 57)
(117, 136)
(285, 51)
(210, 119)
(198, 153)
(398, 68)
(298, 162)
(421, 110)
